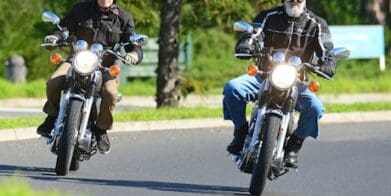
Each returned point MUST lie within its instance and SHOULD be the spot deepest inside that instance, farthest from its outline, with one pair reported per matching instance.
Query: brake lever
(120, 58)
(317, 71)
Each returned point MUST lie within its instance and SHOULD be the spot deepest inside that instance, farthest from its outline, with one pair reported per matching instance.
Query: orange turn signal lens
(55, 58)
(114, 70)
(252, 70)
(314, 86)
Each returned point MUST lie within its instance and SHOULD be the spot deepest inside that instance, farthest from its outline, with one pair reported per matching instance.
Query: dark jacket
(87, 22)
(303, 36)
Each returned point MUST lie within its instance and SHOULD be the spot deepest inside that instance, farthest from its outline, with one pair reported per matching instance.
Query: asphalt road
(348, 159)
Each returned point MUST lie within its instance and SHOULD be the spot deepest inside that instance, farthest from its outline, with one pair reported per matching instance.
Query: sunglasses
(298, 1)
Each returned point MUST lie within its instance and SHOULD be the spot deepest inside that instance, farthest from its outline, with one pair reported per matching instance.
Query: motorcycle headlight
(85, 62)
(283, 76)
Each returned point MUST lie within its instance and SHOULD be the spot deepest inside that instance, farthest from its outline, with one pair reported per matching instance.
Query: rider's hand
(50, 39)
(132, 57)
(245, 47)
(327, 70)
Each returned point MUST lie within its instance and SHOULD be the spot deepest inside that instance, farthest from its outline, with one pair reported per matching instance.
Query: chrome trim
(257, 129)
(282, 135)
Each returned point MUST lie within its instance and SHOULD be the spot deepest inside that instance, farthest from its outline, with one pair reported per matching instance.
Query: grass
(14, 187)
(31, 89)
(187, 113)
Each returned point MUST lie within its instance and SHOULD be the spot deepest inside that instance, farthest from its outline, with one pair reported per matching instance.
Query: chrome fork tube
(86, 115)
(257, 128)
(282, 135)
(60, 119)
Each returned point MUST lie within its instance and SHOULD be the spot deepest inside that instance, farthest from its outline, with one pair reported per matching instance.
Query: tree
(167, 78)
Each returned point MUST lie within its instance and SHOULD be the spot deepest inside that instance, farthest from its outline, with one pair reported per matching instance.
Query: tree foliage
(22, 29)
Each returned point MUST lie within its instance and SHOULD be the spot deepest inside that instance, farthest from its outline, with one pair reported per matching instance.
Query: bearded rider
(298, 30)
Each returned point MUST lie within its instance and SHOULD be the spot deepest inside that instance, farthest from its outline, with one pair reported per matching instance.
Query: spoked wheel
(67, 142)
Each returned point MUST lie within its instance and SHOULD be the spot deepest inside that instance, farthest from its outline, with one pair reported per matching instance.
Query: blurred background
(208, 25)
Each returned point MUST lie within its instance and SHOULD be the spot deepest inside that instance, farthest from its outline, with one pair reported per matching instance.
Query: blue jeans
(243, 89)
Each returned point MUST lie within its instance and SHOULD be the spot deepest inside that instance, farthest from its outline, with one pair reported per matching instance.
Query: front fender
(275, 111)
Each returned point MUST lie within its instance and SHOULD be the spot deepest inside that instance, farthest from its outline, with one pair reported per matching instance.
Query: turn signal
(114, 70)
(252, 70)
(314, 86)
(55, 58)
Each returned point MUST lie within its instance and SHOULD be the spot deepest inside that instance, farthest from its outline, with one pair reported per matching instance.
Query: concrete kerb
(329, 118)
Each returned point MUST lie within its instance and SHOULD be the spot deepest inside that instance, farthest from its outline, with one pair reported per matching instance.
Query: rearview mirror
(241, 26)
(139, 39)
(50, 17)
(340, 53)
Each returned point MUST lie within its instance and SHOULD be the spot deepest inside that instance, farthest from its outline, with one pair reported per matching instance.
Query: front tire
(75, 164)
(262, 167)
(67, 142)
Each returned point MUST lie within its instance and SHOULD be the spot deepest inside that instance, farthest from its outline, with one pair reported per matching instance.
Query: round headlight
(85, 62)
(283, 76)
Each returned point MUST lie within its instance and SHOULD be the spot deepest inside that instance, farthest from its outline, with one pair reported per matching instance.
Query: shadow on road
(47, 174)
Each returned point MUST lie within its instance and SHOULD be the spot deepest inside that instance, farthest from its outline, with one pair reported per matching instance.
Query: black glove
(328, 70)
(245, 46)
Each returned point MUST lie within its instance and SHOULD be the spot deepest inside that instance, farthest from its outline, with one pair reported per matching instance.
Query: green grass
(30, 89)
(14, 187)
(187, 113)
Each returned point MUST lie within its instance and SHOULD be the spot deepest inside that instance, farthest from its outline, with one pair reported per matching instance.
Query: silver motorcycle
(272, 118)
(72, 139)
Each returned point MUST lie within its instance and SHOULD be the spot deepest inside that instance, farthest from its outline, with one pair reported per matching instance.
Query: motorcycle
(72, 138)
(272, 118)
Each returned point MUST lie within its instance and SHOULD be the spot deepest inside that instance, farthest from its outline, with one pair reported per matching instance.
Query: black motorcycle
(72, 139)
(272, 118)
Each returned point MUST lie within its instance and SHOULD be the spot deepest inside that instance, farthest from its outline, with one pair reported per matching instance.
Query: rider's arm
(128, 30)
(327, 62)
(69, 21)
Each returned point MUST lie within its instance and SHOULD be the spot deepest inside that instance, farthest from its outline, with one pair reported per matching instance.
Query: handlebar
(119, 54)
(316, 70)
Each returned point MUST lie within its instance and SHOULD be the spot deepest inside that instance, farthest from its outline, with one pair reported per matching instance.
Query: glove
(328, 70)
(244, 47)
(132, 57)
(50, 39)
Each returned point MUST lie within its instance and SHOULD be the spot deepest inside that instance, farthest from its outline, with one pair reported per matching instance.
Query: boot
(102, 140)
(292, 149)
(237, 143)
(46, 127)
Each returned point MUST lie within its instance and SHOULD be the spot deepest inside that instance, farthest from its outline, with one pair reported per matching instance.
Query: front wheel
(75, 164)
(262, 168)
(67, 142)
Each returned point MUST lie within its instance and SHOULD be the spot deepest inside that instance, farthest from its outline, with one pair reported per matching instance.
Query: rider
(96, 21)
(293, 27)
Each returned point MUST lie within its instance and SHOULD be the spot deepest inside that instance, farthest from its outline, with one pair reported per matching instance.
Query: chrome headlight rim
(283, 76)
(85, 62)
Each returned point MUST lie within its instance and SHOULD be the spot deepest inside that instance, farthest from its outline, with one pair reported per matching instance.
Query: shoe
(102, 140)
(292, 149)
(237, 143)
(291, 159)
(46, 127)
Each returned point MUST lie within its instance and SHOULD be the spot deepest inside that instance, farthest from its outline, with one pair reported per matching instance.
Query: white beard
(294, 11)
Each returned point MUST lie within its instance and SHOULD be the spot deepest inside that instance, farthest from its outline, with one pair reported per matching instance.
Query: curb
(329, 118)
